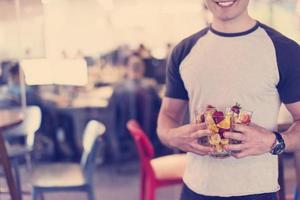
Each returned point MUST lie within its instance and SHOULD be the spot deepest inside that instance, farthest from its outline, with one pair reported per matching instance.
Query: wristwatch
(279, 145)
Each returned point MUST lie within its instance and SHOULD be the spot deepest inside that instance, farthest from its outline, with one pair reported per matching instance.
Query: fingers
(200, 149)
(235, 147)
(201, 133)
(235, 136)
(195, 127)
(240, 128)
(253, 125)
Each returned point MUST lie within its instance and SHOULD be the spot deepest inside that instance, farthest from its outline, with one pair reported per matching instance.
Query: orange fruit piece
(225, 141)
(215, 139)
(225, 123)
(209, 119)
(213, 128)
(245, 118)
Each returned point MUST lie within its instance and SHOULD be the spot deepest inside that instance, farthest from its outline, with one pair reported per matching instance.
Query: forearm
(292, 137)
(164, 125)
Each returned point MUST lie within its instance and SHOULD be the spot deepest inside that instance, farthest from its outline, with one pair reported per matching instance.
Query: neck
(240, 24)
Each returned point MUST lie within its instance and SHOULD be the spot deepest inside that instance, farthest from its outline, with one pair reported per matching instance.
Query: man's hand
(255, 140)
(186, 138)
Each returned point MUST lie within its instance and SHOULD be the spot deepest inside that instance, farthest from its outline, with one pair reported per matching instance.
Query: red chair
(157, 172)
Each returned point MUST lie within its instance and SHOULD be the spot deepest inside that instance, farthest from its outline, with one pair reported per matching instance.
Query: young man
(235, 59)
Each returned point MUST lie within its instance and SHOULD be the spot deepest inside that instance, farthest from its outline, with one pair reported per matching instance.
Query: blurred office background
(120, 49)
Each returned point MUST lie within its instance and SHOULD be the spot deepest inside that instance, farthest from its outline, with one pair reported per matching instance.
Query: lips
(225, 4)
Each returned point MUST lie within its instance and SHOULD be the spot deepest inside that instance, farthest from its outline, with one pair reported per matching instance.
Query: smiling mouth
(225, 4)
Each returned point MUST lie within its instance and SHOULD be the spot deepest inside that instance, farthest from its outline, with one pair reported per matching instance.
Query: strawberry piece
(236, 108)
(218, 116)
(209, 107)
(221, 132)
(202, 118)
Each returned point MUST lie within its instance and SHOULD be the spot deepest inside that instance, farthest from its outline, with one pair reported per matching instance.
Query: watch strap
(278, 136)
(278, 140)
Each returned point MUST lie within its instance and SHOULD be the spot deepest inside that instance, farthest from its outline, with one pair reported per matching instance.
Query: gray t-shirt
(259, 69)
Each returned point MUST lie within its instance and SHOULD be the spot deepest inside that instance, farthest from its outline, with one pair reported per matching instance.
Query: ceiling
(33, 8)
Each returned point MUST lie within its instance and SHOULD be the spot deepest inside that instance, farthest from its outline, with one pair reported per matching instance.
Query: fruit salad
(219, 121)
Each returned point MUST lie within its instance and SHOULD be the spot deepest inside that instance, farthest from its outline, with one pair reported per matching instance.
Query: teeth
(226, 3)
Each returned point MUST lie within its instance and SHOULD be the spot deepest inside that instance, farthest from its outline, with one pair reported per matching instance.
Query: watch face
(279, 148)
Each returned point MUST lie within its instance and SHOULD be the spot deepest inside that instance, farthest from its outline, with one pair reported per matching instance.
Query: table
(8, 119)
(86, 105)
(83, 111)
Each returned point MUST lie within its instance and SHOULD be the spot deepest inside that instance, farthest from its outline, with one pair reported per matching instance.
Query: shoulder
(279, 39)
(185, 45)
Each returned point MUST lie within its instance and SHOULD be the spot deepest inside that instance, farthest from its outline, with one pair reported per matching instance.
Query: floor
(115, 182)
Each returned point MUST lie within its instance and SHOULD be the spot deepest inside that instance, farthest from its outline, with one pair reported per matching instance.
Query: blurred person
(53, 119)
(145, 55)
(143, 52)
(13, 99)
(135, 68)
(234, 59)
(136, 97)
(58, 119)
(14, 88)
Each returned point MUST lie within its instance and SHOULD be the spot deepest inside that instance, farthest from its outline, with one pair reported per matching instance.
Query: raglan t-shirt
(258, 68)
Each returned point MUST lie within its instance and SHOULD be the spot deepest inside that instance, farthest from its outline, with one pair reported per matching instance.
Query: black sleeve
(174, 85)
(288, 61)
(289, 70)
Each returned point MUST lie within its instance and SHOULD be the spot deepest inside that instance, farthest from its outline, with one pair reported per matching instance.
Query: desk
(8, 119)
(82, 111)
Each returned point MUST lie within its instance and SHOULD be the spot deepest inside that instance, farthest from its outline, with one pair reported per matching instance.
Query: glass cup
(219, 121)
(198, 119)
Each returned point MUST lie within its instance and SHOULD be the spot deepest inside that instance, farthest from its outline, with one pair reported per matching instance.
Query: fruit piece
(202, 118)
(219, 148)
(209, 107)
(225, 141)
(245, 118)
(225, 123)
(235, 118)
(222, 131)
(209, 119)
(213, 127)
(198, 120)
(218, 116)
(210, 111)
(236, 108)
(215, 139)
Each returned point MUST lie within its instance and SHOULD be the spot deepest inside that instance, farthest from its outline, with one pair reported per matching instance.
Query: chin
(226, 17)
